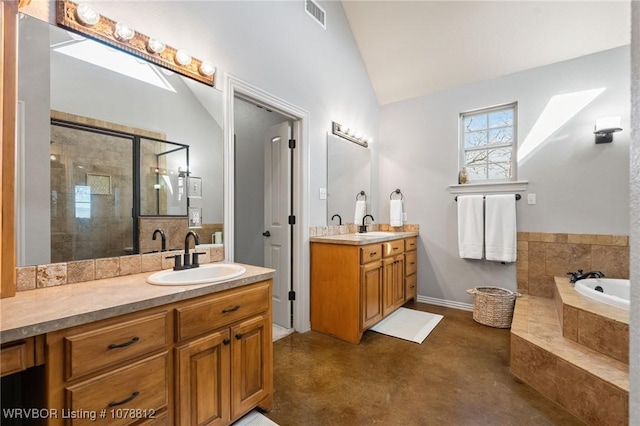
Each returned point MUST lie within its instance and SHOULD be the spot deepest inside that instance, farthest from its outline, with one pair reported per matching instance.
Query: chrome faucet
(363, 228)
(162, 236)
(339, 218)
(577, 276)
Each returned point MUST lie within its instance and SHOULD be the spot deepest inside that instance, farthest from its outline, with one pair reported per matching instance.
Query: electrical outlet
(531, 198)
(323, 193)
(404, 216)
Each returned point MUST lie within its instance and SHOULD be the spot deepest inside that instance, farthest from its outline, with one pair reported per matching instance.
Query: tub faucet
(577, 276)
(363, 228)
(339, 218)
(163, 237)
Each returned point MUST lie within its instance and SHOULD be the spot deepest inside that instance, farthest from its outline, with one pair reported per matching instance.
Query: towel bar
(518, 196)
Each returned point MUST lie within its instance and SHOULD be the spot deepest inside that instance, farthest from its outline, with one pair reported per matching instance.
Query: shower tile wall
(542, 256)
(107, 232)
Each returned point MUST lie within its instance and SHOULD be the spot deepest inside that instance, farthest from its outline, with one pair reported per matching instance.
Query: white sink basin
(374, 234)
(204, 274)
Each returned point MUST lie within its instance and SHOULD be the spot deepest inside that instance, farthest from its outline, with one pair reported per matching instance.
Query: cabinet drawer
(105, 346)
(411, 262)
(216, 312)
(127, 394)
(411, 244)
(370, 253)
(393, 248)
(14, 358)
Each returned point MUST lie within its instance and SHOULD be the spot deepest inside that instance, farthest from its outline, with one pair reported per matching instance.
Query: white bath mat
(254, 418)
(408, 324)
(278, 332)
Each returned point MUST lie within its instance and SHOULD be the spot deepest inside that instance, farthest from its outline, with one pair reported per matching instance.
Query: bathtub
(615, 292)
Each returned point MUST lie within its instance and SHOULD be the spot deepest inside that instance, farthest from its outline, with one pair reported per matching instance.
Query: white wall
(634, 368)
(277, 47)
(581, 187)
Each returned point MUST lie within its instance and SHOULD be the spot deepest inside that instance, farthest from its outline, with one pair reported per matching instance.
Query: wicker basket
(493, 306)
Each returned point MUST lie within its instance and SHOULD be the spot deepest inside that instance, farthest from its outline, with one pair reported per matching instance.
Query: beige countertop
(35, 312)
(362, 239)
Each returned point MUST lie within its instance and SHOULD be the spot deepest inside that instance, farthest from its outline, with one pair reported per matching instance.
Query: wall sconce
(350, 134)
(83, 18)
(605, 128)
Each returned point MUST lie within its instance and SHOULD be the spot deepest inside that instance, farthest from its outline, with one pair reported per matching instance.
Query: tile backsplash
(324, 231)
(543, 256)
(54, 274)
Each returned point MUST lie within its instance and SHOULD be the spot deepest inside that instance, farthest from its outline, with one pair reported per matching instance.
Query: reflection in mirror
(163, 173)
(64, 75)
(348, 173)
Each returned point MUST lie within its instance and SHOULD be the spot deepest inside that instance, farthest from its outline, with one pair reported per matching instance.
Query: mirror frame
(8, 101)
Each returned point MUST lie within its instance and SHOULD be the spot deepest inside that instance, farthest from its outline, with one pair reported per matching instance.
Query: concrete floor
(458, 376)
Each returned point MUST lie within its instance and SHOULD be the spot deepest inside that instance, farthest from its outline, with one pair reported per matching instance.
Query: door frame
(237, 87)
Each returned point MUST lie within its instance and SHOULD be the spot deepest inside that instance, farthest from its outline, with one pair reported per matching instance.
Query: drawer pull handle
(373, 253)
(124, 401)
(125, 344)
(235, 308)
(238, 336)
(396, 248)
(226, 341)
(412, 263)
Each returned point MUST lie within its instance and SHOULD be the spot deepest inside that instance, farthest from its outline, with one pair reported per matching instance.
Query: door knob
(266, 233)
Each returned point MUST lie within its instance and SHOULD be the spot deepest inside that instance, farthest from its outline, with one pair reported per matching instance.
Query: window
(488, 143)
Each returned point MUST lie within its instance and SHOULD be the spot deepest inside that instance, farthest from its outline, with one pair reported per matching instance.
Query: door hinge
(292, 295)
(292, 143)
(292, 220)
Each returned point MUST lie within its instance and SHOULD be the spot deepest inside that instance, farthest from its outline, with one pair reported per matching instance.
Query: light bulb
(183, 57)
(124, 32)
(155, 46)
(207, 69)
(87, 15)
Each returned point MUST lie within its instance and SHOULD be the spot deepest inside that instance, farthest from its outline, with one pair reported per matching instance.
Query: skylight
(114, 60)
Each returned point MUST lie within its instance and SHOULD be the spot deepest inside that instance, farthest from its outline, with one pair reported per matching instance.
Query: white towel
(395, 213)
(361, 210)
(500, 228)
(470, 226)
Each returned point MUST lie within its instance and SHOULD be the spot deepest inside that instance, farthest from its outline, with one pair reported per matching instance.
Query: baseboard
(445, 303)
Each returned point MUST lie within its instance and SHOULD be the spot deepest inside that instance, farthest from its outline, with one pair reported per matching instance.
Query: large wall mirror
(348, 175)
(109, 148)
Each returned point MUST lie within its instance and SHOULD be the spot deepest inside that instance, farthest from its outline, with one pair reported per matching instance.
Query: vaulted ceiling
(412, 48)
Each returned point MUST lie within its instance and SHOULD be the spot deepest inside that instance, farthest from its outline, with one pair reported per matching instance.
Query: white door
(277, 206)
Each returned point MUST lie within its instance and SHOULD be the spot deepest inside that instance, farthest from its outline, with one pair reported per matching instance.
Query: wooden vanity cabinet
(225, 372)
(206, 360)
(411, 268)
(355, 286)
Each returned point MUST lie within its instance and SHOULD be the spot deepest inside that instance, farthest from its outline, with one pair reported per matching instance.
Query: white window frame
(513, 145)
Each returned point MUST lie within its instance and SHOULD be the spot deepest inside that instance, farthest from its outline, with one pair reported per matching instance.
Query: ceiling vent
(316, 12)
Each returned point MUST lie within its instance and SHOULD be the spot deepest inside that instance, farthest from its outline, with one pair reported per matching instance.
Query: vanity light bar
(350, 134)
(73, 17)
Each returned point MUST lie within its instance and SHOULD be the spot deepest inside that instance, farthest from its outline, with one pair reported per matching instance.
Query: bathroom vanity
(359, 279)
(120, 351)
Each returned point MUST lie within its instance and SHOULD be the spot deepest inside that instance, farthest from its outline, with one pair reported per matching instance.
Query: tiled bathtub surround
(600, 327)
(591, 385)
(543, 256)
(351, 228)
(55, 274)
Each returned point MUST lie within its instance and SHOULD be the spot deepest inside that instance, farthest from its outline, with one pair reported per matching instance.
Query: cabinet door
(398, 281)
(202, 383)
(392, 284)
(251, 364)
(371, 291)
